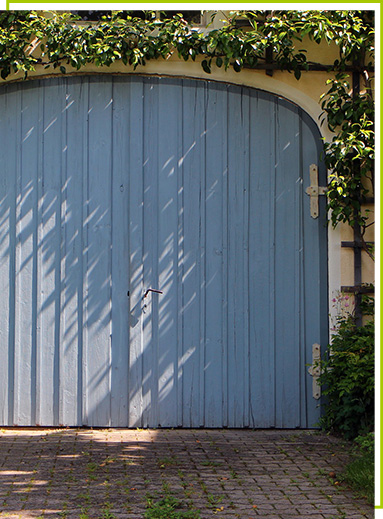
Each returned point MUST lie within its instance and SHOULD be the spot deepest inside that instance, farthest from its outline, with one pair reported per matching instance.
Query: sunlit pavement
(118, 473)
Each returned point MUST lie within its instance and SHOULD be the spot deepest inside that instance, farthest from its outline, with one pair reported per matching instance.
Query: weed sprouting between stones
(169, 507)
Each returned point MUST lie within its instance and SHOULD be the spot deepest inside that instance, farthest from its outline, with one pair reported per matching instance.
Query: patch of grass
(214, 500)
(106, 514)
(166, 487)
(170, 507)
(359, 473)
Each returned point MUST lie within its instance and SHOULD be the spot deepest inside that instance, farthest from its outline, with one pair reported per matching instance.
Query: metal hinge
(315, 371)
(314, 190)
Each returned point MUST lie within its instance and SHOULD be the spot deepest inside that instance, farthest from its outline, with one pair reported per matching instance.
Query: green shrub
(347, 379)
(365, 445)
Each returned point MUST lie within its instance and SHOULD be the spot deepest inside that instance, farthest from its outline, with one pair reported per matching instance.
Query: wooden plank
(7, 196)
(135, 216)
(40, 98)
(26, 263)
(202, 273)
(315, 269)
(49, 221)
(358, 289)
(216, 171)
(237, 280)
(169, 136)
(61, 231)
(299, 274)
(12, 170)
(72, 260)
(120, 256)
(287, 288)
(85, 92)
(150, 263)
(192, 164)
(98, 303)
(261, 261)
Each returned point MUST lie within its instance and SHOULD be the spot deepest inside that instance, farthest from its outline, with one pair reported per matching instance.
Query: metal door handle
(152, 290)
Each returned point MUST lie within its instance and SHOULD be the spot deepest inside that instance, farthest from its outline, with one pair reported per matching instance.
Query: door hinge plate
(315, 370)
(314, 190)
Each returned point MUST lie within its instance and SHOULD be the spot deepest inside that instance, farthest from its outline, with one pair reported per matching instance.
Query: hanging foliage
(248, 39)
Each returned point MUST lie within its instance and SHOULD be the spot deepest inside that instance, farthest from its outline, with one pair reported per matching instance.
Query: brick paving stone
(53, 473)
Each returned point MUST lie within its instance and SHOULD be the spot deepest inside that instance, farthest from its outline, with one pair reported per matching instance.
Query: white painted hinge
(315, 371)
(314, 190)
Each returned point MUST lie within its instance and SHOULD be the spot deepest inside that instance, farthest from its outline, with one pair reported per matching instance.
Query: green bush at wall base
(348, 381)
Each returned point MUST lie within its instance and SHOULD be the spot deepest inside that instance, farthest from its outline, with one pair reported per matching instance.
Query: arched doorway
(111, 186)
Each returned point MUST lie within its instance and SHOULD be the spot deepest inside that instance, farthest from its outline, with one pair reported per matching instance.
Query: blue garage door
(110, 186)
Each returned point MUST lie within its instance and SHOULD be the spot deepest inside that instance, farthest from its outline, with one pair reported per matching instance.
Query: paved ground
(89, 474)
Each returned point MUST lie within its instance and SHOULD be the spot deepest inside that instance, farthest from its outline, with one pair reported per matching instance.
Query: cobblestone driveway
(117, 473)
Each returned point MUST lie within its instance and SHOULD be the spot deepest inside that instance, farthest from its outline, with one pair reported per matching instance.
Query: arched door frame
(282, 84)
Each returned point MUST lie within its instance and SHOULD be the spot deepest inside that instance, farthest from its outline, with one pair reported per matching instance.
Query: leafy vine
(248, 39)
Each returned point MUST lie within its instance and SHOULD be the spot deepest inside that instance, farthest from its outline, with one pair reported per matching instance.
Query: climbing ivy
(248, 39)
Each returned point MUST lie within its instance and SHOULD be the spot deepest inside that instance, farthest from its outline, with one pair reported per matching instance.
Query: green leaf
(206, 67)
(237, 65)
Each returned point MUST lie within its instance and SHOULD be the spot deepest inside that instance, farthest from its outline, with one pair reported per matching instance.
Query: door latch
(152, 290)
(155, 290)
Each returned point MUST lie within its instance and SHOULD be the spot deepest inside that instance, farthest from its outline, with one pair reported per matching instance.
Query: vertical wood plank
(49, 254)
(193, 166)
(11, 170)
(202, 274)
(120, 254)
(237, 312)
(180, 261)
(7, 159)
(72, 267)
(136, 221)
(299, 274)
(98, 319)
(40, 95)
(226, 412)
(315, 297)
(286, 258)
(261, 261)
(216, 171)
(84, 260)
(25, 335)
(169, 131)
(150, 262)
